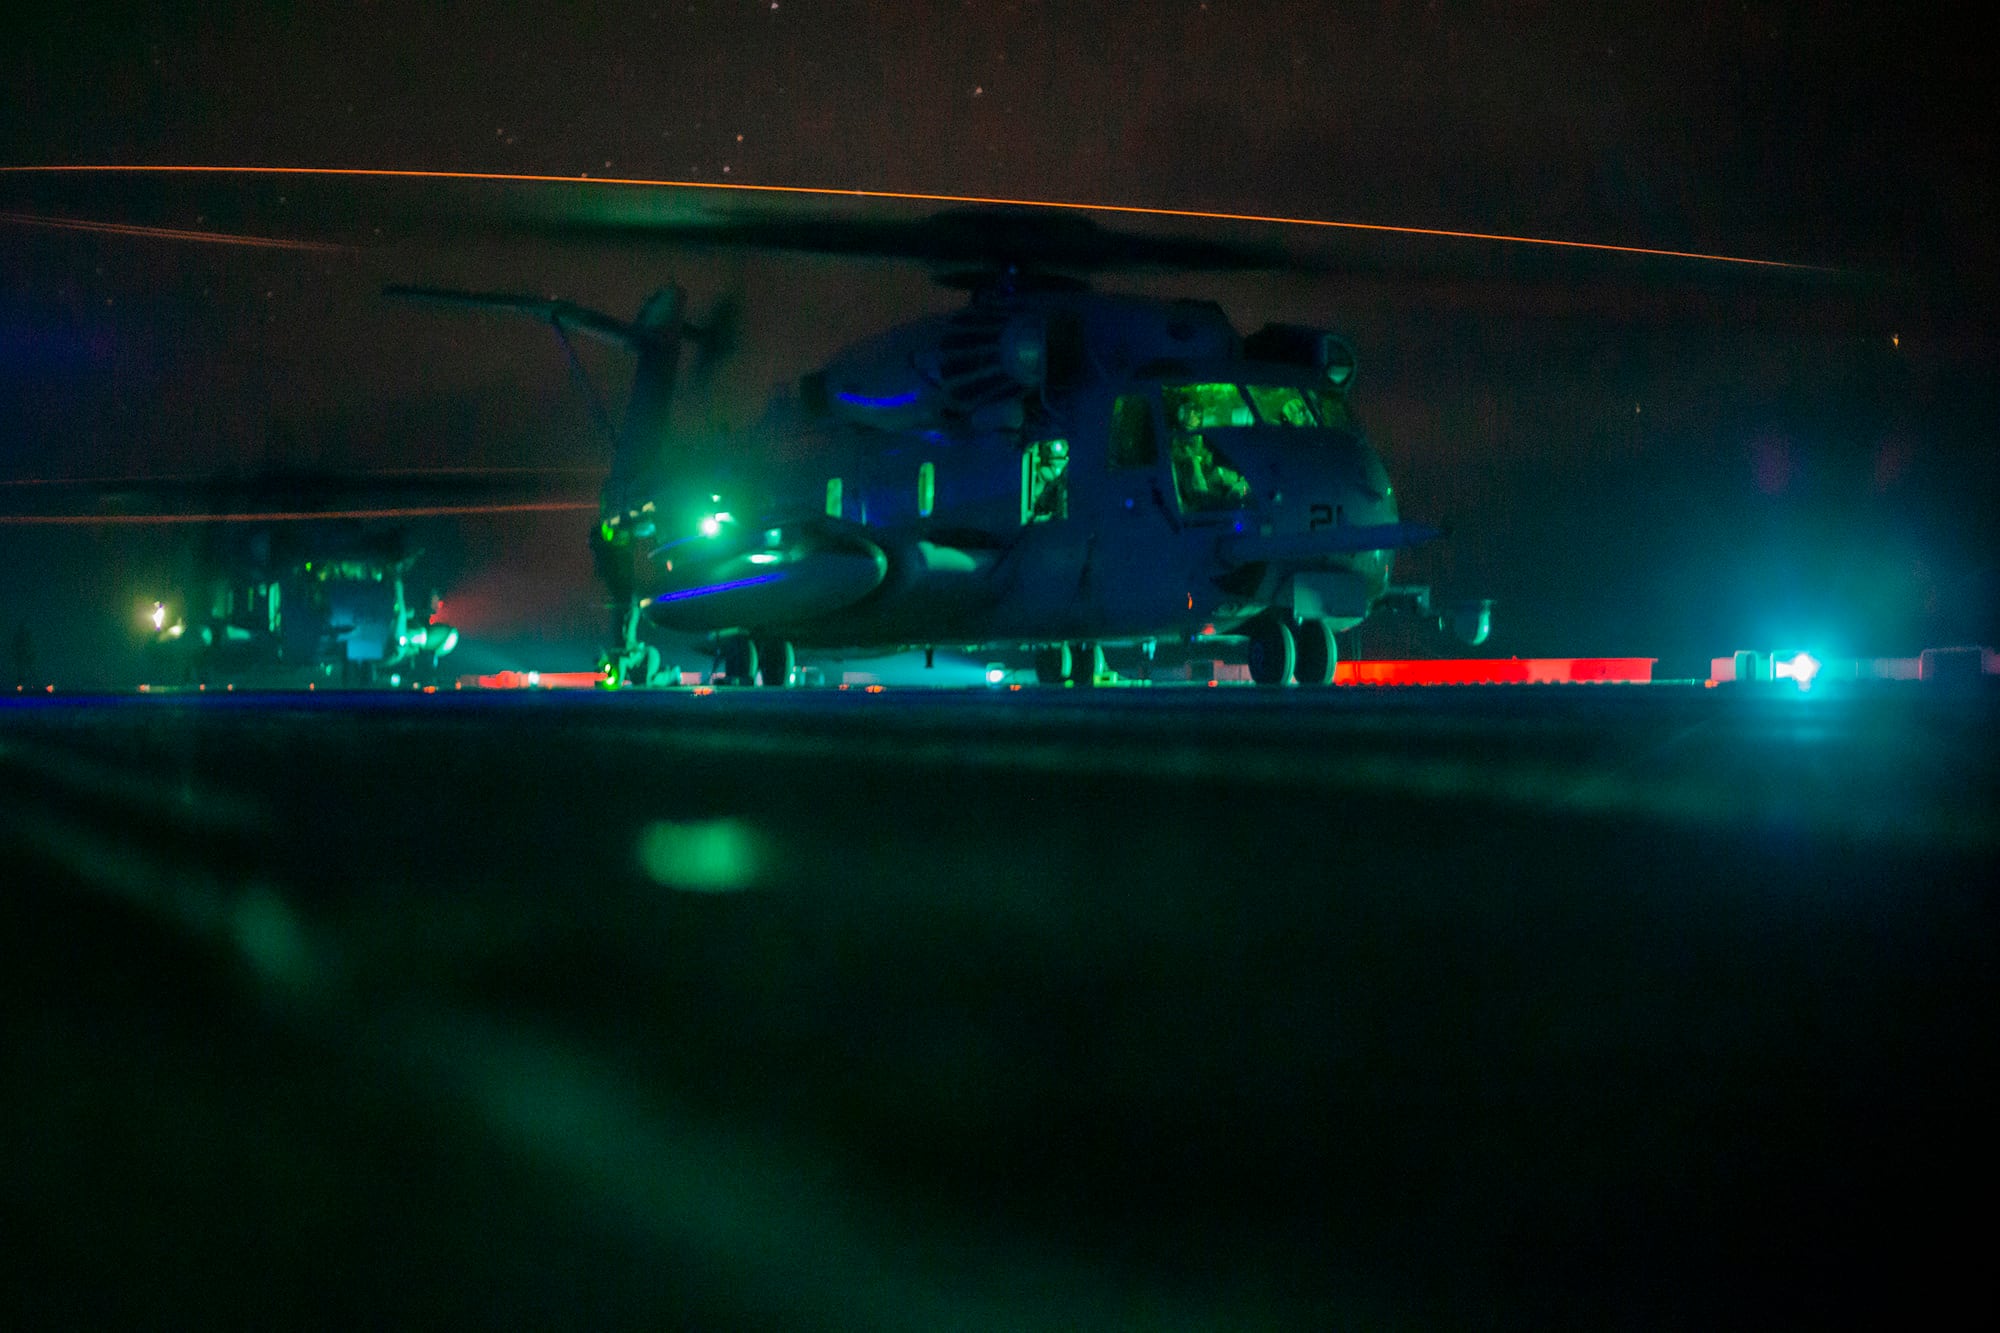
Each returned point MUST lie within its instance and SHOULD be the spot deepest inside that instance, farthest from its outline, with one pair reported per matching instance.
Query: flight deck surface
(1202, 1008)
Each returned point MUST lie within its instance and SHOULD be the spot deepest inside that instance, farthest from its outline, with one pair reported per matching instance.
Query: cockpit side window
(1332, 409)
(1206, 406)
(1135, 441)
(1203, 477)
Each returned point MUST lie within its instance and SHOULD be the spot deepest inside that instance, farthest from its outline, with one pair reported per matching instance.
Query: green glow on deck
(702, 856)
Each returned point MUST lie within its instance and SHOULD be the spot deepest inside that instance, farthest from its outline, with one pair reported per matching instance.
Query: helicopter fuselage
(1054, 466)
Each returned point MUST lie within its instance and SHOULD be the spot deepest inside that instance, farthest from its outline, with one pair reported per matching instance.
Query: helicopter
(1048, 466)
(325, 601)
(293, 578)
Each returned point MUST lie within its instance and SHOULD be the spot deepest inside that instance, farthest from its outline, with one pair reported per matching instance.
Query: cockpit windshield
(1209, 406)
(1206, 406)
(1283, 405)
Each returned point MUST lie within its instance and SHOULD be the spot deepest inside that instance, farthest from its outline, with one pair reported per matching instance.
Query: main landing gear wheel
(1052, 664)
(1273, 651)
(777, 661)
(637, 665)
(1317, 654)
(1086, 663)
(739, 660)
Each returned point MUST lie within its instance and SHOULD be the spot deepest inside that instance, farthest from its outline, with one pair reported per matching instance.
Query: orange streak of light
(917, 197)
(168, 233)
(288, 516)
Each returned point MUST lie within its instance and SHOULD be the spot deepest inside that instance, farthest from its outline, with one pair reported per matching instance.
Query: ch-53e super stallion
(1047, 466)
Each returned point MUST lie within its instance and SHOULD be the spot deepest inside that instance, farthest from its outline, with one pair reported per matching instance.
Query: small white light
(1802, 668)
(710, 526)
(159, 615)
(534, 678)
(994, 675)
(765, 557)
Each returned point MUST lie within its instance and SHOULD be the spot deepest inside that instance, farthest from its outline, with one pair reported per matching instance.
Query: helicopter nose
(1336, 479)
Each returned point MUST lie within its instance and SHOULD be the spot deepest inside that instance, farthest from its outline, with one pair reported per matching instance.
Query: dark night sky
(1624, 482)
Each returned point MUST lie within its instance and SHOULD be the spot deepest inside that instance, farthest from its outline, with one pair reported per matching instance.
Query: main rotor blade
(363, 208)
(281, 496)
(1058, 233)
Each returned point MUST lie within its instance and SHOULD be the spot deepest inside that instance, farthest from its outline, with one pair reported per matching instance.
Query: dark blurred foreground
(1634, 1006)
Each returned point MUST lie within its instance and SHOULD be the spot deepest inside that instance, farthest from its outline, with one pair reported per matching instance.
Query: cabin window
(926, 489)
(1206, 406)
(833, 497)
(1045, 481)
(1135, 441)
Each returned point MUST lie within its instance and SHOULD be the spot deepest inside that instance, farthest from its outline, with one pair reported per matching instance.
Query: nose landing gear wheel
(1273, 651)
(1052, 664)
(1317, 654)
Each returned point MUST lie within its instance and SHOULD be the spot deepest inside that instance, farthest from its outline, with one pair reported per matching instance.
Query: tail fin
(658, 333)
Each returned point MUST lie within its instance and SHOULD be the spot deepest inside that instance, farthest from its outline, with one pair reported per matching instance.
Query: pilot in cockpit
(1205, 481)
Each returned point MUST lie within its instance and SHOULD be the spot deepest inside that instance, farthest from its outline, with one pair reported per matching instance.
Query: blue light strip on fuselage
(863, 400)
(730, 586)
